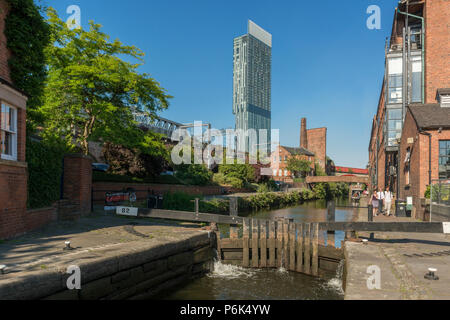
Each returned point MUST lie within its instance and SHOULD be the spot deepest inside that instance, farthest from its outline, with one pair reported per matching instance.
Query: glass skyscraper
(252, 81)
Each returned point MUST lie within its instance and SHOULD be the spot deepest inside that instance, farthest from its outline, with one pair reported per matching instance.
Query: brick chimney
(303, 134)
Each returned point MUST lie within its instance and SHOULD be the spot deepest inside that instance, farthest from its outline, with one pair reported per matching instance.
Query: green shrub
(98, 176)
(244, 172)
(45, 161)
(219, 178)
(179, 201)
(193, 174)
(235, 182)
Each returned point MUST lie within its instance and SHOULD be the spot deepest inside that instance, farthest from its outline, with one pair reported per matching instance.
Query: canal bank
(392, 266)
(118, 258)
(128, 258)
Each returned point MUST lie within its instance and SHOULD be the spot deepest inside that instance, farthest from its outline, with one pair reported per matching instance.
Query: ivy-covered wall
(44, 173)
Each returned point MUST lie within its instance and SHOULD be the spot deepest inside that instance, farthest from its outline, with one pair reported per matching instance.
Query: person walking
(375, 203)
(388, 201)
(380, 197)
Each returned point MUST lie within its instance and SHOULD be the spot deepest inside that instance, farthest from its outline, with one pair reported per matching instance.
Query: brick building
(280, 159)
(313, 148)
(13, 168)
(417, 60)
(315, 141)
(425, 148)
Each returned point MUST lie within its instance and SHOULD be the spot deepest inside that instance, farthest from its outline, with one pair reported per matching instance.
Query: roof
(9, 84)
(442, 91)
(351, 170)
(430, 116)
(300, 150)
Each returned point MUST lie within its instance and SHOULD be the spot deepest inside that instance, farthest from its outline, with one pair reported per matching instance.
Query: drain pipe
(429, 165)
(429, 153)
(423, 49)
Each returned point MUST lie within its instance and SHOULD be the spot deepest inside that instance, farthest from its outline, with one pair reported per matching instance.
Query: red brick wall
(419, 171)
(4, 52)
(317, 143)
(410, 131)
(437, 47)
(13, 198)
(78, 181)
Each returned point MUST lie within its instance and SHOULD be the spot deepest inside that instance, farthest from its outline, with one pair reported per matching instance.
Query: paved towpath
(40, 249)
(403, 260)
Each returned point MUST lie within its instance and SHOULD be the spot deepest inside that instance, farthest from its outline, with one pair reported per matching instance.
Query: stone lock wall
(136, 270)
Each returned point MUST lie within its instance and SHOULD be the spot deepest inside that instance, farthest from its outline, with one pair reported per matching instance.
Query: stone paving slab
(107, 233)
(404, 259)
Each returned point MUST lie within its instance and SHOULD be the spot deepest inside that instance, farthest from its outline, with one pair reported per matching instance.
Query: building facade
(417, 59)
(13, 168)
(252, 62)
(425, 150)
(315, 141)
(279, 162)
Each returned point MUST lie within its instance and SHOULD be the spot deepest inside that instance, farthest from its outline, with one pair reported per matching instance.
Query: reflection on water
(236, 283)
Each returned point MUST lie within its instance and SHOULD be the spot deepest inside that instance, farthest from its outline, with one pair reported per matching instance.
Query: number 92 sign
(127, 211)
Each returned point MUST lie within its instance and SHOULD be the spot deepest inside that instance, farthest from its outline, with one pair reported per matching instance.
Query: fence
(440, 197)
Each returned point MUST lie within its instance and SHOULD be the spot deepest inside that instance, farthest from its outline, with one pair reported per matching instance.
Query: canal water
(235, 283)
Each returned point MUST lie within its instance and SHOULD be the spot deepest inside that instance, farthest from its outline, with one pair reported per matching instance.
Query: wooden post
(255, 243)
(272, 244)
(299, 247)
(331, 216)
(245, 244)
(286, 244)
(307, 256)
(263, 244)
(197, 206)
(292, 246)
(279, 243)
(315, 249)
(234, 229)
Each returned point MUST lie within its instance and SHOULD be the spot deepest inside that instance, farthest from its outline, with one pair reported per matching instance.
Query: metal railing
(439, 194)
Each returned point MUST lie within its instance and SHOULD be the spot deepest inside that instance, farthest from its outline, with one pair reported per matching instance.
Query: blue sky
(327, 65)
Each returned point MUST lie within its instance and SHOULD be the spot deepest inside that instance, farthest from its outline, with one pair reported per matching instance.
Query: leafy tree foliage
(244, 172)
(298, 166)
(194, 174)
(91, 92)
(28, 34)
(136, 162)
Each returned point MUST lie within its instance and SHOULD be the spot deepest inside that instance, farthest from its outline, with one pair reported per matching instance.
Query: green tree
(28, 35)
(244, 172)
(194, 174)
(298, 166)
(91, 92)
(318, 170)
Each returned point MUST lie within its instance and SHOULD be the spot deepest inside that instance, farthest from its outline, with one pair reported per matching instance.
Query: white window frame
(13, 156)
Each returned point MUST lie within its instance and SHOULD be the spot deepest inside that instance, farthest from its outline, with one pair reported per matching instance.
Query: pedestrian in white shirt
(388, 201)
(380, 197)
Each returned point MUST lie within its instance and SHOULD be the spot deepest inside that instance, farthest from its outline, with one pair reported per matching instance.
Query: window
(395, 80)
(416, 81)
(8, 132)
(407, 166)
(444, 159)
(394, 126)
